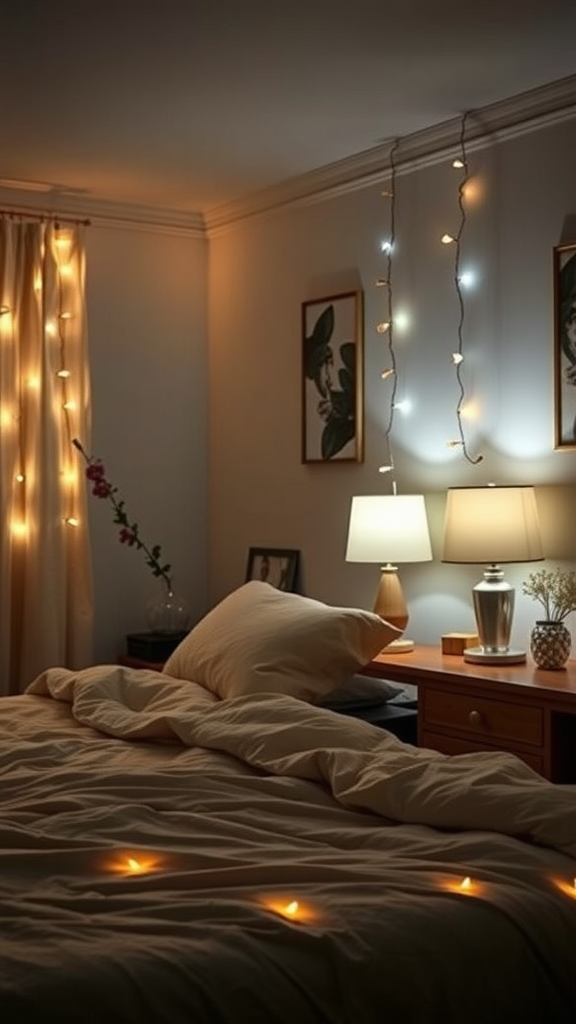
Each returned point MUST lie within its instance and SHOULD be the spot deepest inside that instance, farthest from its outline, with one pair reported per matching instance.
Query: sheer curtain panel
(45, 574)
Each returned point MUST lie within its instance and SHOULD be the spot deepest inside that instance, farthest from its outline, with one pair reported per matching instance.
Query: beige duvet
(167, 857)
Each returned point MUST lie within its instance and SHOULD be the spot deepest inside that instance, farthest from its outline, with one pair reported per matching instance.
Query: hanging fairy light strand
(460, 163)
(386, 326)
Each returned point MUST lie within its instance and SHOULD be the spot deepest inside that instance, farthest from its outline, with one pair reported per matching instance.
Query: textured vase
(168, 612)
(550, 644)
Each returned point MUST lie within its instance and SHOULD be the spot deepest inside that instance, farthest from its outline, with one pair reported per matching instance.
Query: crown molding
(102, 212)
(527, 112)
(520, 114)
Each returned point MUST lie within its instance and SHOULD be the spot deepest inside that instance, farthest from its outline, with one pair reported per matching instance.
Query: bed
(224, 849)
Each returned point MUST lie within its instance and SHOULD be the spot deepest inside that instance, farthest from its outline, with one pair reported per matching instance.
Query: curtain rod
(44, 216)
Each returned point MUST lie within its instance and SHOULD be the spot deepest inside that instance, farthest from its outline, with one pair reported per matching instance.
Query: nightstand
(465, 707)
(125, 659)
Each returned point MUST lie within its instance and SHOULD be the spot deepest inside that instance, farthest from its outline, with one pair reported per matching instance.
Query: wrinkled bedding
(153, 841)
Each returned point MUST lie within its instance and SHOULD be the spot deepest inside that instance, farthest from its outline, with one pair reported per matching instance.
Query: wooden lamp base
(390, 604)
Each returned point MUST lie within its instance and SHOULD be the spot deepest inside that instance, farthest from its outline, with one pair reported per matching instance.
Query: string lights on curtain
(44, 401)
(460, 163)
(386, 326)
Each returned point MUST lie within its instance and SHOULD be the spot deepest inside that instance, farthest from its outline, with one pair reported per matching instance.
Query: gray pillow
(362, 691)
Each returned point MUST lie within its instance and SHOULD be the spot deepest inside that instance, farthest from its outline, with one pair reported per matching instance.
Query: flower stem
(130, 531)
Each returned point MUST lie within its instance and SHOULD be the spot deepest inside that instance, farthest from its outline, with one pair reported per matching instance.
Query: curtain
(46, 616)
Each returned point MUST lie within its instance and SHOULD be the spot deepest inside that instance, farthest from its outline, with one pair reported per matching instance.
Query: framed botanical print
(565, 345)
(333, 379)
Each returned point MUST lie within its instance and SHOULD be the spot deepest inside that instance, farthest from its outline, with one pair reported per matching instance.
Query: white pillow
(263, 640)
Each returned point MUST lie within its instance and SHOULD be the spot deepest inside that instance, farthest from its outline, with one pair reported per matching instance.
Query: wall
(521, 203)
(146, 295)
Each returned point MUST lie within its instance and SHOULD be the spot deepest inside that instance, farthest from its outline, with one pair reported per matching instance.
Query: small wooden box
(456, 643)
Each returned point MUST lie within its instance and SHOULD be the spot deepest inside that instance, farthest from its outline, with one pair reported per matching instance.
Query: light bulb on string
(458, 355)
(386, 325)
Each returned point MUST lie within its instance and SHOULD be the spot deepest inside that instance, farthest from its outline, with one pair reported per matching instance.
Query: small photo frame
(333, 379)
(565, 346)
(278, 566)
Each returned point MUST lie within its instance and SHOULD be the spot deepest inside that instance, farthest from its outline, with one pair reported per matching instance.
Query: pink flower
(129, 532)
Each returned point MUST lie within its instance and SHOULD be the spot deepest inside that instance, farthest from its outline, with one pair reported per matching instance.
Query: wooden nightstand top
(429, 663)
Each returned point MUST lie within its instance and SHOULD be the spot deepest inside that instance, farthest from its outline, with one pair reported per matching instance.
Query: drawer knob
(475, 718)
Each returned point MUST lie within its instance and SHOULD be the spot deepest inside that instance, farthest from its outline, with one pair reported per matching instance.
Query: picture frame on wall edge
(333, 378)
(564, 262)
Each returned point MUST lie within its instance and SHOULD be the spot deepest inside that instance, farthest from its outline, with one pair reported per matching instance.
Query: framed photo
(278, 566)
(333, 379)
(565, 345)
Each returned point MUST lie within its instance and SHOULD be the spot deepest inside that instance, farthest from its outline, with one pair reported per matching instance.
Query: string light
(67, 265)
(386, 326)
(460, 163)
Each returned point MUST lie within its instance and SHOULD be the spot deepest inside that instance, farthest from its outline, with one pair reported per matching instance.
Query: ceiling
(192, 104)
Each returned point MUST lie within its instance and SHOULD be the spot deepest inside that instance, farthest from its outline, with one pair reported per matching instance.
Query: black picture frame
(278, 566)
(565, 346)
(333, 378)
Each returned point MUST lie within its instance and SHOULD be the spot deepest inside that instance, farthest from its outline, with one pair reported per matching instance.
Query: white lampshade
(491, 525)
(388, 528)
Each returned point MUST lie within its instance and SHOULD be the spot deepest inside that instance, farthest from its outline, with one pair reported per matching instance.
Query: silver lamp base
(494, 608)
(483, 655)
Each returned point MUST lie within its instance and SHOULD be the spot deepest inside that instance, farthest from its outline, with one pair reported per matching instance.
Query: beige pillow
(263, 640)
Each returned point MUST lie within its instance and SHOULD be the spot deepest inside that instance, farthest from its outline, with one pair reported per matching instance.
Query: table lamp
(492, 525)
(389, 528)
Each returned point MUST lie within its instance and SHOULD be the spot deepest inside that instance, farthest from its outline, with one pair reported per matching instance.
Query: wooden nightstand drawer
(482, 718)
(452, 745)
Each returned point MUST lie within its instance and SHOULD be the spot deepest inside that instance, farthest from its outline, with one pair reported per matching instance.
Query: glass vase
(550, 644)
(168, 612)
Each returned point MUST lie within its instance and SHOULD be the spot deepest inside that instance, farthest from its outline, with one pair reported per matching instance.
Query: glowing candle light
(292, 910)
(568, 888)
(466, 884)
